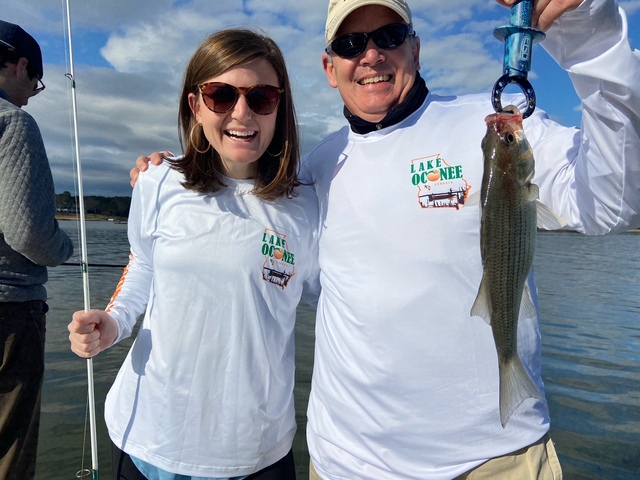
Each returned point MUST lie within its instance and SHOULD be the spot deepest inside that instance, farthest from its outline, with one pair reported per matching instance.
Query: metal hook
(523, 83)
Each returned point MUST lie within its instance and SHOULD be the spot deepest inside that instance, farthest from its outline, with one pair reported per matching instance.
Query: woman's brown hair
(278, 166)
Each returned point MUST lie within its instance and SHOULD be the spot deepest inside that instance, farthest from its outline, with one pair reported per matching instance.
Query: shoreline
(91, 217)
(633, 230)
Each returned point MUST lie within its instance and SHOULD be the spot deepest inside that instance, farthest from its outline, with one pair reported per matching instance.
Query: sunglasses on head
(387, 37)
(222, 97)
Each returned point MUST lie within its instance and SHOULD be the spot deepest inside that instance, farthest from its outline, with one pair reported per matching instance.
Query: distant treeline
(111, 206)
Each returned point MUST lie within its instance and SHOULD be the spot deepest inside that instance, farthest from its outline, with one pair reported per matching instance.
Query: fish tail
(515, 387)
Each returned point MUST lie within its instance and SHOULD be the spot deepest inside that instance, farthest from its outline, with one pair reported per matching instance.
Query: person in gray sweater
(30, 241)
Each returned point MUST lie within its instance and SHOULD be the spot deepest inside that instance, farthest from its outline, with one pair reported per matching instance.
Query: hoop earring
(276, 155)
(193, 144)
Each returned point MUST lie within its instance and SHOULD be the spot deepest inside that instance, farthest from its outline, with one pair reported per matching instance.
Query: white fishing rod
(83, 252)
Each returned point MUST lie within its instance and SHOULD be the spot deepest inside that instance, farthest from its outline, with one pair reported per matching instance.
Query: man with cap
(405, 381)
(30, 240)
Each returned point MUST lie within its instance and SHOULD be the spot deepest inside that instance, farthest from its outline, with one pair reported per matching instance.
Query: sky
(129, 57)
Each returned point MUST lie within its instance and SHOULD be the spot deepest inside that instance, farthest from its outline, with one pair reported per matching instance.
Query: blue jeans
(125, 469)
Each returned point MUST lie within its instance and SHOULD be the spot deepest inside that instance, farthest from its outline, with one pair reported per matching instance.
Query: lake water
(590, 305)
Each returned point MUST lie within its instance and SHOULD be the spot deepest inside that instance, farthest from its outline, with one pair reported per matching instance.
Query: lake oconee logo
(440, 185)
(278, 267)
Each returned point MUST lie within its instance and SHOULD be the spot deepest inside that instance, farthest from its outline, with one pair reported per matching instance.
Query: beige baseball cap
(340, 9)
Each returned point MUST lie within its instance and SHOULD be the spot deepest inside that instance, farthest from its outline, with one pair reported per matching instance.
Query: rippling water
(590, 301)
(590, 306)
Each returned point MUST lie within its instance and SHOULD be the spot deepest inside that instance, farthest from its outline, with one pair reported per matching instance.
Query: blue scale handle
(518, 39)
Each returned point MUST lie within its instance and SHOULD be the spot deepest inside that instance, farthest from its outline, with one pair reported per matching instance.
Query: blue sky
(129, 56)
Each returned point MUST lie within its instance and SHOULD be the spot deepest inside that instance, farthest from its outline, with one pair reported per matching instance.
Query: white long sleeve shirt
(207, 388)
(405, 382)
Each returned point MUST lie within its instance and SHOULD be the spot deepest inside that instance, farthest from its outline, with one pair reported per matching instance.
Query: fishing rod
(100, 265)
(83, 254)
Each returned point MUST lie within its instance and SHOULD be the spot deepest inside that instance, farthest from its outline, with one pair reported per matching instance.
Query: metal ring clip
(523, 83)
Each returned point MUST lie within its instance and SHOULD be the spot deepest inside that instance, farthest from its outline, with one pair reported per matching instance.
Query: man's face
(23, 85)
(377, 79)
(30, 87)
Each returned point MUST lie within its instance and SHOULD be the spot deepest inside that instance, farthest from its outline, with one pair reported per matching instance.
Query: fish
(510, 215)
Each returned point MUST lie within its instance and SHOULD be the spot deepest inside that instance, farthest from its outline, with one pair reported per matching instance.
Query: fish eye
(509, 138)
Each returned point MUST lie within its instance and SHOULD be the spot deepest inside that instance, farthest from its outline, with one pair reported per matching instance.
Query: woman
(223, 241)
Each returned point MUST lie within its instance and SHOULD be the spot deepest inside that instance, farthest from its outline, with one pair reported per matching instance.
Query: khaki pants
(535, 462)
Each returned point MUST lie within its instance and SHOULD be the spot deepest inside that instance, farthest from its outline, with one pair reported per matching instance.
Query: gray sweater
(30, 237)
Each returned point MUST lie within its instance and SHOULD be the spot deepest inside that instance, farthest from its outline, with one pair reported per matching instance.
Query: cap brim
(338, 19)
(7, 44)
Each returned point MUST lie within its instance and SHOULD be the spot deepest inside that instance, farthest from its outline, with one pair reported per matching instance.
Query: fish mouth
(509, 117)
(373, 80)
(241, 134)
(510, 112)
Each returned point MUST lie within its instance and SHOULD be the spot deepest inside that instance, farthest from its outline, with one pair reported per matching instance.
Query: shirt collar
(4, 95)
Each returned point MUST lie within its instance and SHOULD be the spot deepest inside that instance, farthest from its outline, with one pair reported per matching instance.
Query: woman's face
(240, 135)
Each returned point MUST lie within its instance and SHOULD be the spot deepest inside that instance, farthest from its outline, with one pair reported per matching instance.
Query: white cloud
(631, 6)
(131, 55)
(459, 64)
(162, 46)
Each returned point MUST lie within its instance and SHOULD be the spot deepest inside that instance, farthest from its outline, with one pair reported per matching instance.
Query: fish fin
(473, 199)
(527, 308)
(534, 193)
(547, 218)
(482, 304)
(515, 387)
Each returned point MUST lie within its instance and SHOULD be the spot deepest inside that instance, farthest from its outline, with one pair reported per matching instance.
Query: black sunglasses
(37, 89)
(221, 97)
(387, 37)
